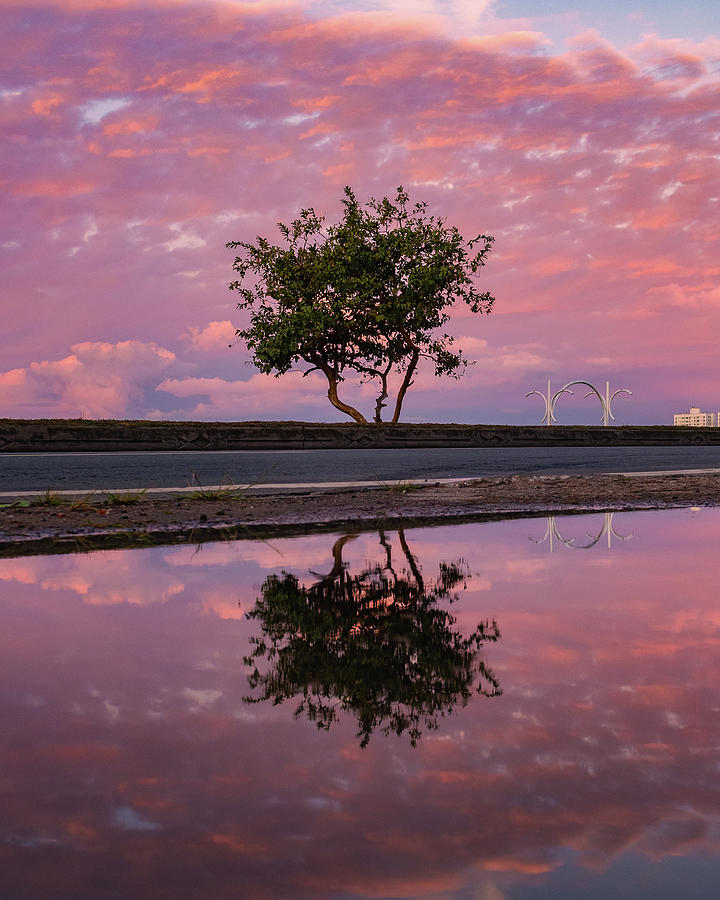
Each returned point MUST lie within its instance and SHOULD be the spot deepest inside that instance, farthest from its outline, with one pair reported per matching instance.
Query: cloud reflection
(602, 748)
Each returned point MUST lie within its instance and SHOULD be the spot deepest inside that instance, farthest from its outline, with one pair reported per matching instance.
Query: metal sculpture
(605, 400)
(550, 402)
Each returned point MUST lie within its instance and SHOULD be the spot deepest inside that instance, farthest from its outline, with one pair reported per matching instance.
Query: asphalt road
(107, 471)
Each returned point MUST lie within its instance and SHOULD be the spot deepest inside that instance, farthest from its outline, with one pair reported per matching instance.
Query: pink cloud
(256, 397)
(213, 336)
(98, 380)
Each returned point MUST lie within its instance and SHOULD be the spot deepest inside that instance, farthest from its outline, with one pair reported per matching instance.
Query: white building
(696, 418)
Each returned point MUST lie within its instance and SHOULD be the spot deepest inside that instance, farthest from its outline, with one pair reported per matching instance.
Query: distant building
(696, 418)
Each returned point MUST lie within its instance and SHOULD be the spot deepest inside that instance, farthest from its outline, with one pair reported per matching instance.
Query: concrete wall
(43, 435)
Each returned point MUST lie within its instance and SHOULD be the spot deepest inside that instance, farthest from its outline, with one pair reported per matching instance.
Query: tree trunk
(336, 401)
(407, 381)
(381, 396)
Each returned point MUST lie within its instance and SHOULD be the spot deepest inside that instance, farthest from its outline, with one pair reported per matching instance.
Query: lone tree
(367, 295)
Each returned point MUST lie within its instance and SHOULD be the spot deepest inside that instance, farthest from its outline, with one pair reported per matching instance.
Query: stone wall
(44, 435)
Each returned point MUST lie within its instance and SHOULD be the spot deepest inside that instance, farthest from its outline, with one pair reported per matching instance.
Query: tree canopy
(369, 294)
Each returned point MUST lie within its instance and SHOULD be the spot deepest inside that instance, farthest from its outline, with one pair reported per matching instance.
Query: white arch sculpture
(605, 401)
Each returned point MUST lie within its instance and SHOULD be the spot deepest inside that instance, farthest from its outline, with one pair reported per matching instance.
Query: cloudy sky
(138, 137)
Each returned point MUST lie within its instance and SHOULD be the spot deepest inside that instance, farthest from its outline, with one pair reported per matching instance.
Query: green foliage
(377, 644)
(368, 295)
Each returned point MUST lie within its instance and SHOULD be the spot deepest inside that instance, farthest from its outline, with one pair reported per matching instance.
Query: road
(109, 471)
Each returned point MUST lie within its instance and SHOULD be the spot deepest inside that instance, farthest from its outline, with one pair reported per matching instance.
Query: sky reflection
(133, 767)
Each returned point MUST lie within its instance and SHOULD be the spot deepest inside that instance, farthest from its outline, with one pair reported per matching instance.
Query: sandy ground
(97, 521)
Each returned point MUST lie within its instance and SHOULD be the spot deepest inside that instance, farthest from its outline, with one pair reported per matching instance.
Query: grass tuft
(227, 491)
(125, 498)
(49, 498)
(82, 502)
(401, 487)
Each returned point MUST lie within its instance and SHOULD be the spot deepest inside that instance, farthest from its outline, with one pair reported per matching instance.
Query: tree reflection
(377, 644)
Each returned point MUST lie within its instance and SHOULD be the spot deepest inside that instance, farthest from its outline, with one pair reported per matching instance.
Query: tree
(378, 645)
(368, 295)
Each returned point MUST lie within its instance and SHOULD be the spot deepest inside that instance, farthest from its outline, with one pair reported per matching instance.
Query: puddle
(513, 709)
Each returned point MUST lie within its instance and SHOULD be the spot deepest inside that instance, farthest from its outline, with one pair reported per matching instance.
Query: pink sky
(137, 138)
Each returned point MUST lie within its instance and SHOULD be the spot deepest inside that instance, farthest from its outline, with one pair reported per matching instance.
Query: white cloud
(126, 818)
(96, 110)
(185, 240)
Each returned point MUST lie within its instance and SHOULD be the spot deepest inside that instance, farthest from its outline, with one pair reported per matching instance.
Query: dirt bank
(99, 521)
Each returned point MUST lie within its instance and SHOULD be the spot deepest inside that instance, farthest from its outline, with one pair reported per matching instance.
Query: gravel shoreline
(99, 522)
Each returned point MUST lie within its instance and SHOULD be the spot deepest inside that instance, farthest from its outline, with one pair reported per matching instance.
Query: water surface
(501, 710)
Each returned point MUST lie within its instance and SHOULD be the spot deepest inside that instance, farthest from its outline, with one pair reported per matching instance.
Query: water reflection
(552, 534)
(131, 767)
(377, 643)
